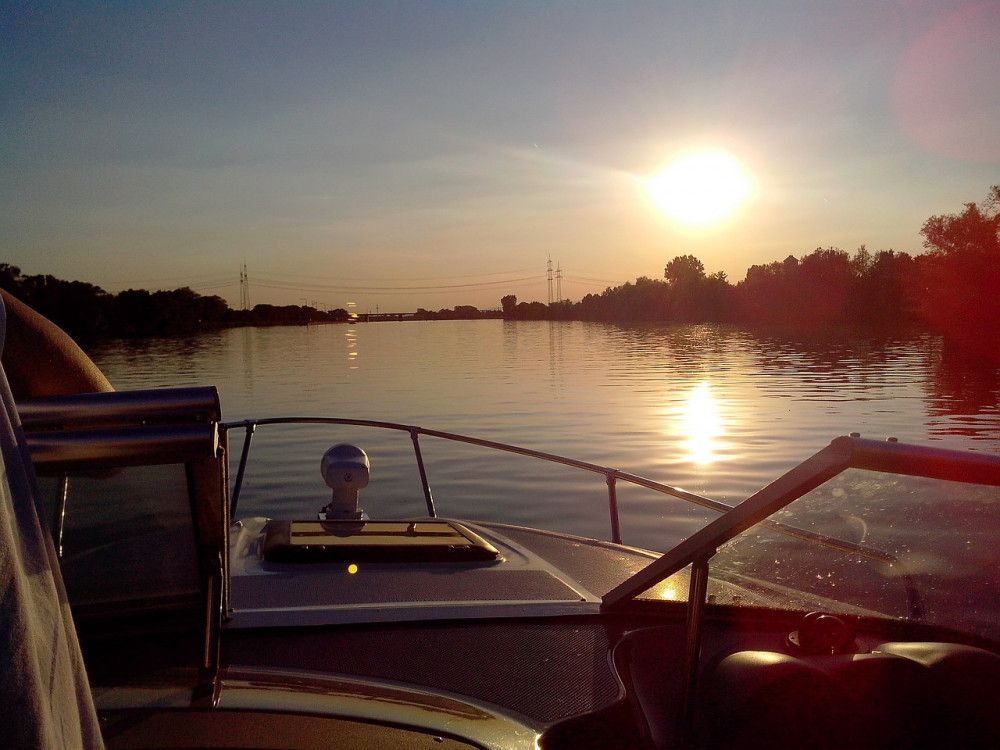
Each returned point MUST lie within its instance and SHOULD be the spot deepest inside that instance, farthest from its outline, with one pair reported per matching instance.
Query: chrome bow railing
(611, 476)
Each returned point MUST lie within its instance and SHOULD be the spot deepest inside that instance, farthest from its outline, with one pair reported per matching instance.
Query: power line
(591, 280)
(411, 291)
(313, 278)
(314, 285)
(160, 283)
(208, 287)
(161, 279)
(279, 284)
(278, 277)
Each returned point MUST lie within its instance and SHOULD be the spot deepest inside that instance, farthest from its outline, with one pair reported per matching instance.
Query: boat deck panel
(543, 670)
(377, 584)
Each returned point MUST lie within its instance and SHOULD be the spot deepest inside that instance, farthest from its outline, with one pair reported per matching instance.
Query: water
(716, 411)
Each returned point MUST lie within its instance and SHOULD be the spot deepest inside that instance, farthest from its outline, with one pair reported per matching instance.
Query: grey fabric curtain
(45, 699)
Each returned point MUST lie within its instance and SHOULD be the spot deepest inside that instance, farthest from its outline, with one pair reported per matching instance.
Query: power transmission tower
(244, 288)
(558, 282)
(548, 277)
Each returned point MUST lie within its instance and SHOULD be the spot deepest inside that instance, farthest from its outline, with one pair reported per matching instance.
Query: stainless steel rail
(120, 409)
(611, 476)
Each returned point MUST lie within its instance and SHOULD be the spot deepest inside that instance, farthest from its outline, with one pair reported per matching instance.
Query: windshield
(926, 551)
(861, 527)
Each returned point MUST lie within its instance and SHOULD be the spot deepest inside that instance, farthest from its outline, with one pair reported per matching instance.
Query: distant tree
(78, 308)
(861, 261)
(531, 311)
(684, 269)
(10, 278)
(958, 289)
(879, 295)
(716, 298)
(971, 234)
(509, 304)
(807, 294)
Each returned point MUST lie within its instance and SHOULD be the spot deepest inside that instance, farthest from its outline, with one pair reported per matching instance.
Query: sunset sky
(431, 154)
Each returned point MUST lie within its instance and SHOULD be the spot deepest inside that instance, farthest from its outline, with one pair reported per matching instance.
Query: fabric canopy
(45, 698)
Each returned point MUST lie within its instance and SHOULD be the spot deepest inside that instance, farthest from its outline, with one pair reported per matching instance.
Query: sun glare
(700, 188)
(702, 424)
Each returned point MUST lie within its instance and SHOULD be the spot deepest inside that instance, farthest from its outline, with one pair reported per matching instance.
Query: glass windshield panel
(674, 588)
(924, 549)
(128, 537)
(677, 587)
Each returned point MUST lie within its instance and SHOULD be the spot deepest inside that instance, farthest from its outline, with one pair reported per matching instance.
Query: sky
(429, 154)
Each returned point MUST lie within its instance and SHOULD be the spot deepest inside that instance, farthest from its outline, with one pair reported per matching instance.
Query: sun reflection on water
(701, 422)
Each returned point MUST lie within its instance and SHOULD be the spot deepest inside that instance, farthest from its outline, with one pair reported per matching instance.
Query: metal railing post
(415, 437)
(697, 594)
(247, 439)
(616, 532)
(60, 515)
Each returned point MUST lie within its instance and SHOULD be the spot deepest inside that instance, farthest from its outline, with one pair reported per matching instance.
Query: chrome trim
(59, 517)
(608, 473)
(302, 692)
(292, 694)
(395, 612)
(120, 408)
(123, 446)
(922, 461)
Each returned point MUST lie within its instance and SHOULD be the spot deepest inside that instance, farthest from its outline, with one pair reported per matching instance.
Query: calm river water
(713, 410)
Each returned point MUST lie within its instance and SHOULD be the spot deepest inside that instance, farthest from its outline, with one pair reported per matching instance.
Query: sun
(700, 188)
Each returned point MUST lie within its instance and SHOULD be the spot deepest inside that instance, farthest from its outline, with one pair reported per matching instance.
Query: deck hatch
(367, 541)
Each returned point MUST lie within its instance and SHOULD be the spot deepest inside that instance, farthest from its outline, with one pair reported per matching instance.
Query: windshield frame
(842, 453)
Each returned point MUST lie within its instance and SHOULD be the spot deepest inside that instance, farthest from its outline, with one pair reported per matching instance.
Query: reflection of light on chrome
(701, 423)
(352, 568)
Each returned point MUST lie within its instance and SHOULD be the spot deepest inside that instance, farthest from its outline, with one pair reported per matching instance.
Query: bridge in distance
(430, 315)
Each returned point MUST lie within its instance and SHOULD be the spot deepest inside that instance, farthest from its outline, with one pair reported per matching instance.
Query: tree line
(953, 288)
(89, 313)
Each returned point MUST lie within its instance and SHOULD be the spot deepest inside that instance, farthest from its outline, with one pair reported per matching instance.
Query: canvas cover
(45, 699)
